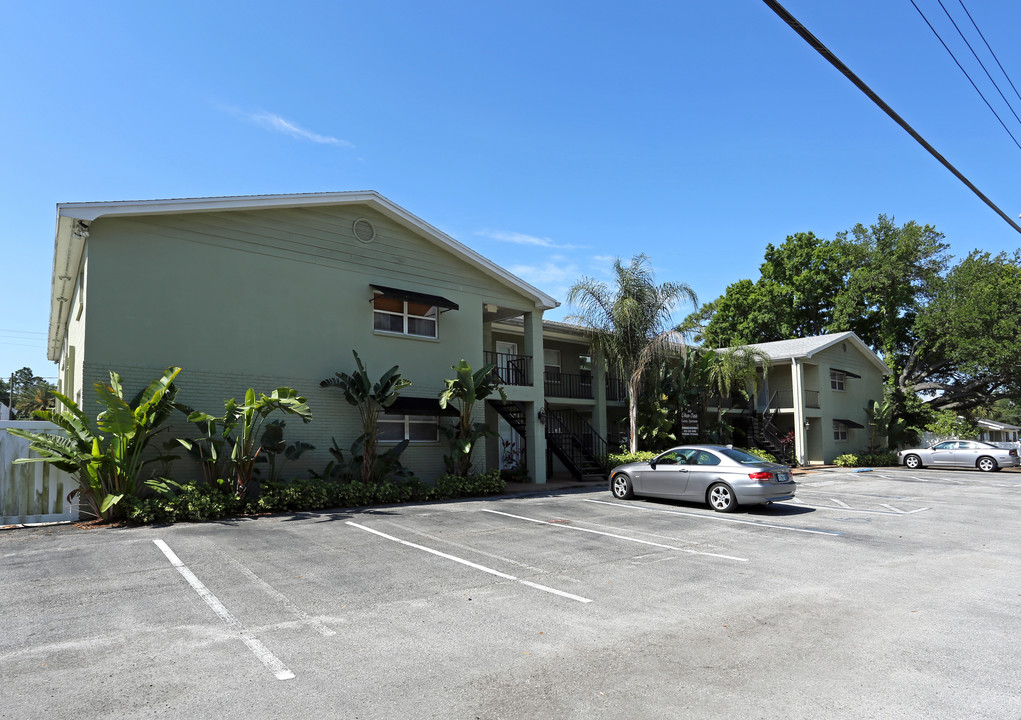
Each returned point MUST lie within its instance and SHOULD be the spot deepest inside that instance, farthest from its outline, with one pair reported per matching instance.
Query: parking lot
(886, 594)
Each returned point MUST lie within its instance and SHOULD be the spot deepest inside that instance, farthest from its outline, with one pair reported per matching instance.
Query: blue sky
(551, 137)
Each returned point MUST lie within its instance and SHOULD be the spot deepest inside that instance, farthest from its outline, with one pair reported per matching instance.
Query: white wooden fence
(32, 492)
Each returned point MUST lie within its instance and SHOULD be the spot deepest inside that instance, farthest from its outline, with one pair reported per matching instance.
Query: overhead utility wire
(846, 71)
(979, 60)
(961, 67)
(990, 49)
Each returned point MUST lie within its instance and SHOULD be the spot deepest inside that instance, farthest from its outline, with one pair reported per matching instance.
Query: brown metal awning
(418, 406)
(848, 423)
(412, 296)
(848, 373)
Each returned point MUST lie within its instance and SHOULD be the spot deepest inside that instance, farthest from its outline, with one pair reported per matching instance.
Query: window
(415, 428)
(839, 431)
(551, 363)
(837, 379)
(404, 317)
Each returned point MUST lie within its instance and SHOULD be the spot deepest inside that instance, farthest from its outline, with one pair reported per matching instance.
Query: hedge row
(194, 503)
(866, 460)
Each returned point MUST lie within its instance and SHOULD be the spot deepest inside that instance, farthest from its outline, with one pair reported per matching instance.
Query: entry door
(506, 365)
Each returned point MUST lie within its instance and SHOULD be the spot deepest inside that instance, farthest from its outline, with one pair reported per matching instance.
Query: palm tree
(630, 322)
(733, 370)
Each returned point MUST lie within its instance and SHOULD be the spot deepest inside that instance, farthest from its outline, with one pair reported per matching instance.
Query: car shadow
(778, 509)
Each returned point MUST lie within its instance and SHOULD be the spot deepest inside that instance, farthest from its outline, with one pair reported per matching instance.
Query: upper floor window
(404, 317)
(837, 380)
(551, 364)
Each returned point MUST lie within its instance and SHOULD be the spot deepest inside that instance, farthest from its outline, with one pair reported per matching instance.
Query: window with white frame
(404, 317)
(551, 364)
(414, 428)
(839, 431)
(837, 380)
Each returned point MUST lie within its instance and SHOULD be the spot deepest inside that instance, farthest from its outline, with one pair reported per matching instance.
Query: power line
(846, 72)
(961, 67)
(978, 59)
(989, 49)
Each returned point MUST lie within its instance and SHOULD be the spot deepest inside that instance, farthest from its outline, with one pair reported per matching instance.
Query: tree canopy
(948, 331)
(630, 321)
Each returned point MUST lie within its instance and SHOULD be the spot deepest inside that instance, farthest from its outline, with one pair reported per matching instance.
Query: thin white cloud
(523, 239)
(276, 123)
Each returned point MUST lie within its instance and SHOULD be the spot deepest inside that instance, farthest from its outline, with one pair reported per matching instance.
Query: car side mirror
(652, 464)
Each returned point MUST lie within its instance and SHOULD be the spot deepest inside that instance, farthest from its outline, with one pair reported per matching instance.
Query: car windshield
(741, 456)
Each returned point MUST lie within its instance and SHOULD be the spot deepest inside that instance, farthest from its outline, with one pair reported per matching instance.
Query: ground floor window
(839, 431)
(414, 428)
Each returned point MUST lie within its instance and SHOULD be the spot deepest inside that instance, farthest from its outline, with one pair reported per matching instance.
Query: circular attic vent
(364, 230)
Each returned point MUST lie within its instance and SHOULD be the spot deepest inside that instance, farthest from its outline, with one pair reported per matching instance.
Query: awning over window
(848, 373)
(411, 296)
(418, 406)
(848, 423)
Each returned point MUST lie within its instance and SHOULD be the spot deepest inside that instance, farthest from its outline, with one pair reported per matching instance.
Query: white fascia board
(67, 252)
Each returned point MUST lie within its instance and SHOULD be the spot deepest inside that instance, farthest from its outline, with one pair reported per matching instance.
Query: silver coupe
(961, 454)
(721, 476)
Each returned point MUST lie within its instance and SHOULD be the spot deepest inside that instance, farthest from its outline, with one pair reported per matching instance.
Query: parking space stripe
(810, 531)
(302, 616)
(470, 564)
(619, 537)
(267, 658)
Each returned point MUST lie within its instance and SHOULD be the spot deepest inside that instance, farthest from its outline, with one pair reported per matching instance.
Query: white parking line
(619, 537)
(810, 531)
(840, 503)
(254, 644)
(302, 616)
(483, 568)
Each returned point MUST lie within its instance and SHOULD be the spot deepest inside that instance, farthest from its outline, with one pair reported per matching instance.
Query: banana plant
(106, 459)
(464, 390)
(229, 445)
(370, 398)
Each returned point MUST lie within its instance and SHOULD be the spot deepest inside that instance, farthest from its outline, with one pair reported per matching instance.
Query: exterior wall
(849, 404)
(267, 298)
(72, 355)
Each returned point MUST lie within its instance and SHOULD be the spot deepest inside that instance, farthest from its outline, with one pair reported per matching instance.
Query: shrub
(866, 460)
(759, 452)
(615, 459)
(194, 503)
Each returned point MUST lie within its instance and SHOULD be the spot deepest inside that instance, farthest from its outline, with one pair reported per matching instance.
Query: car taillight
(761, 476)
(1013, 453)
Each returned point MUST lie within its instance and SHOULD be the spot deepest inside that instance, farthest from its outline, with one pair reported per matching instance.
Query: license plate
(783, 478)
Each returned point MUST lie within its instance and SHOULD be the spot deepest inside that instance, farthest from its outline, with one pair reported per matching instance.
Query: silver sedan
(961, 454)
(721, 476)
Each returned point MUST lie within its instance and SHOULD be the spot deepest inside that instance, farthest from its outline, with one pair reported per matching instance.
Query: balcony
(510, 369)
(785, 399)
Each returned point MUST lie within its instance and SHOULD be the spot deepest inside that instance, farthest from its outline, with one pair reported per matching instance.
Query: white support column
(798, 388)
(599, 421)
(535, 439)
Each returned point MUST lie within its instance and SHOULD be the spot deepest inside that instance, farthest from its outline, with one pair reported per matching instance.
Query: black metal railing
(567, 385)
(616, 389)
(510, 369)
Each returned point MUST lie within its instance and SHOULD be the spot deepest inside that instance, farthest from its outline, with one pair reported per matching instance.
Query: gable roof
(803, 348)
(73, 222)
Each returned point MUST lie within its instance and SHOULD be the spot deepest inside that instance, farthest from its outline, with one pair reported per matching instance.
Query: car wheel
(913, 461)
(986, 464)
(621, 487)
(721, 498)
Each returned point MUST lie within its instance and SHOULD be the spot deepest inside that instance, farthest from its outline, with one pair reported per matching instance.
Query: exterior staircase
(568, 436)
